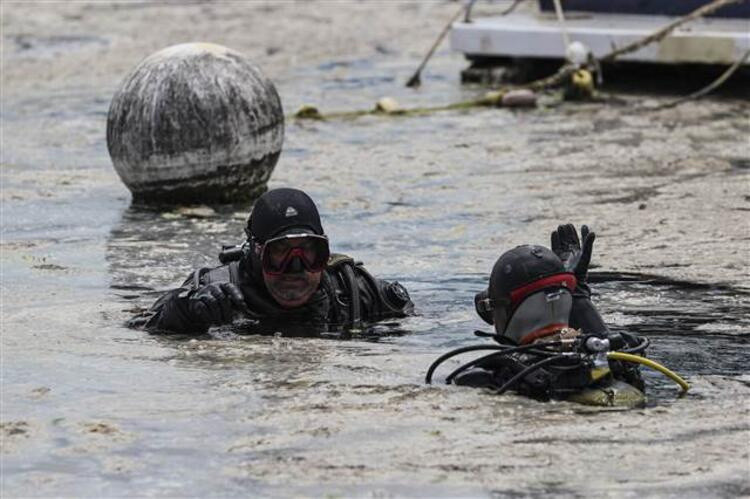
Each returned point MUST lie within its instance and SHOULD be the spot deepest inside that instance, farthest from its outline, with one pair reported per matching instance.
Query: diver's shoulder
(228, 272)
(337, 260)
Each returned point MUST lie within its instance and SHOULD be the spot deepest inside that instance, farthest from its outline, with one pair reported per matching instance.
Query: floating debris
(521, 97)
(581, 85)
(388, 105)
(493, 98)
(196, 211)
(308, 111)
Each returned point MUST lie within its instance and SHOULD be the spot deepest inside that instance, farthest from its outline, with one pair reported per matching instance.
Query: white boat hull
(538, 35)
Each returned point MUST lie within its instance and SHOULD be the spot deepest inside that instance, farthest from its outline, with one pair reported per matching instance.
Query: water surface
(91, 408)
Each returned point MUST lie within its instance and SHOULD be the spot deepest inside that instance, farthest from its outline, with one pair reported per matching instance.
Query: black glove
(567, 246)
(216, 304)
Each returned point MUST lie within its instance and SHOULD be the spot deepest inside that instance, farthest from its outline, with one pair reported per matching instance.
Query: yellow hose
(628, 357)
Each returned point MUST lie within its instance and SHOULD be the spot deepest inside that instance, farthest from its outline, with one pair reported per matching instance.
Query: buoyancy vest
(347, 294)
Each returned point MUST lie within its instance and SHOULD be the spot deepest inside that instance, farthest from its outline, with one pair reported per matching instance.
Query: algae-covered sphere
(194, 123)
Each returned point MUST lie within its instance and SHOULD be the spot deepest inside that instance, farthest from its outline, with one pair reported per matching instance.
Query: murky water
(90, 408)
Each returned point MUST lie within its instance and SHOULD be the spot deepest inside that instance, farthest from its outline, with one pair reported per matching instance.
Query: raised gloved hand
(567, 246)
(216, 304)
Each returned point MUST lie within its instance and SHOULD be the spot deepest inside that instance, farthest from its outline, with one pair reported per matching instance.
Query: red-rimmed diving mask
(295, 252)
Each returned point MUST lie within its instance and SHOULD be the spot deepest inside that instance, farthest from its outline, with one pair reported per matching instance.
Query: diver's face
(291, 290)
(292, 267)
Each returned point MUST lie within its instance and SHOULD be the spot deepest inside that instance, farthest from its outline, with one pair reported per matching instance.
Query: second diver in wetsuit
(551, 341)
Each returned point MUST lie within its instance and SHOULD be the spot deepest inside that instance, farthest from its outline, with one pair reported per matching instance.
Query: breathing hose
(500, 349)
(653, 365)
(639, 348)
(534, 367)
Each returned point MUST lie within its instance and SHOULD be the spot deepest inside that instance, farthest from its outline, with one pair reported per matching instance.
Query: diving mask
(295, 252)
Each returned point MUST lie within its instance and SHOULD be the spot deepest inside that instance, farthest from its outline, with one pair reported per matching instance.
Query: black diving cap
(279, 210)
(529, 294)
(523, 270)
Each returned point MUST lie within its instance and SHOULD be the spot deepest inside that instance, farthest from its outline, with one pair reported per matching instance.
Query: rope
(563, 28)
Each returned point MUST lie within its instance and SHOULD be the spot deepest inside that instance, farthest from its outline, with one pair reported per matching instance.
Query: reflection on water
(159, 249)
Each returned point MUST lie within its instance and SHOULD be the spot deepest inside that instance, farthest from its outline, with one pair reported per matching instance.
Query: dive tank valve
(599, 347)
(596, 344)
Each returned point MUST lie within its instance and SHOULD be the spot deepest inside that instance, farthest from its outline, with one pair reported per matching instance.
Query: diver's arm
(381, 299)
(576, 257)
(171, 315)
(584, 315)
(192, 309)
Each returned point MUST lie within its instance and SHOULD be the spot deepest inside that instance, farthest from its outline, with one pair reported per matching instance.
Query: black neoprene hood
(281, 209)
(520, 266)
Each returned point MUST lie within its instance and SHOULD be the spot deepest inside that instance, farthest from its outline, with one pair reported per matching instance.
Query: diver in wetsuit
(282, 274)
(552, 343)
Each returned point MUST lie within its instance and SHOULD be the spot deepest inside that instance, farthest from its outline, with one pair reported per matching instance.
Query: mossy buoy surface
(195, 123)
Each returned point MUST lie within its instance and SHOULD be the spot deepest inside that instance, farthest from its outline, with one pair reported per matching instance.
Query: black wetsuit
(347, 296)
